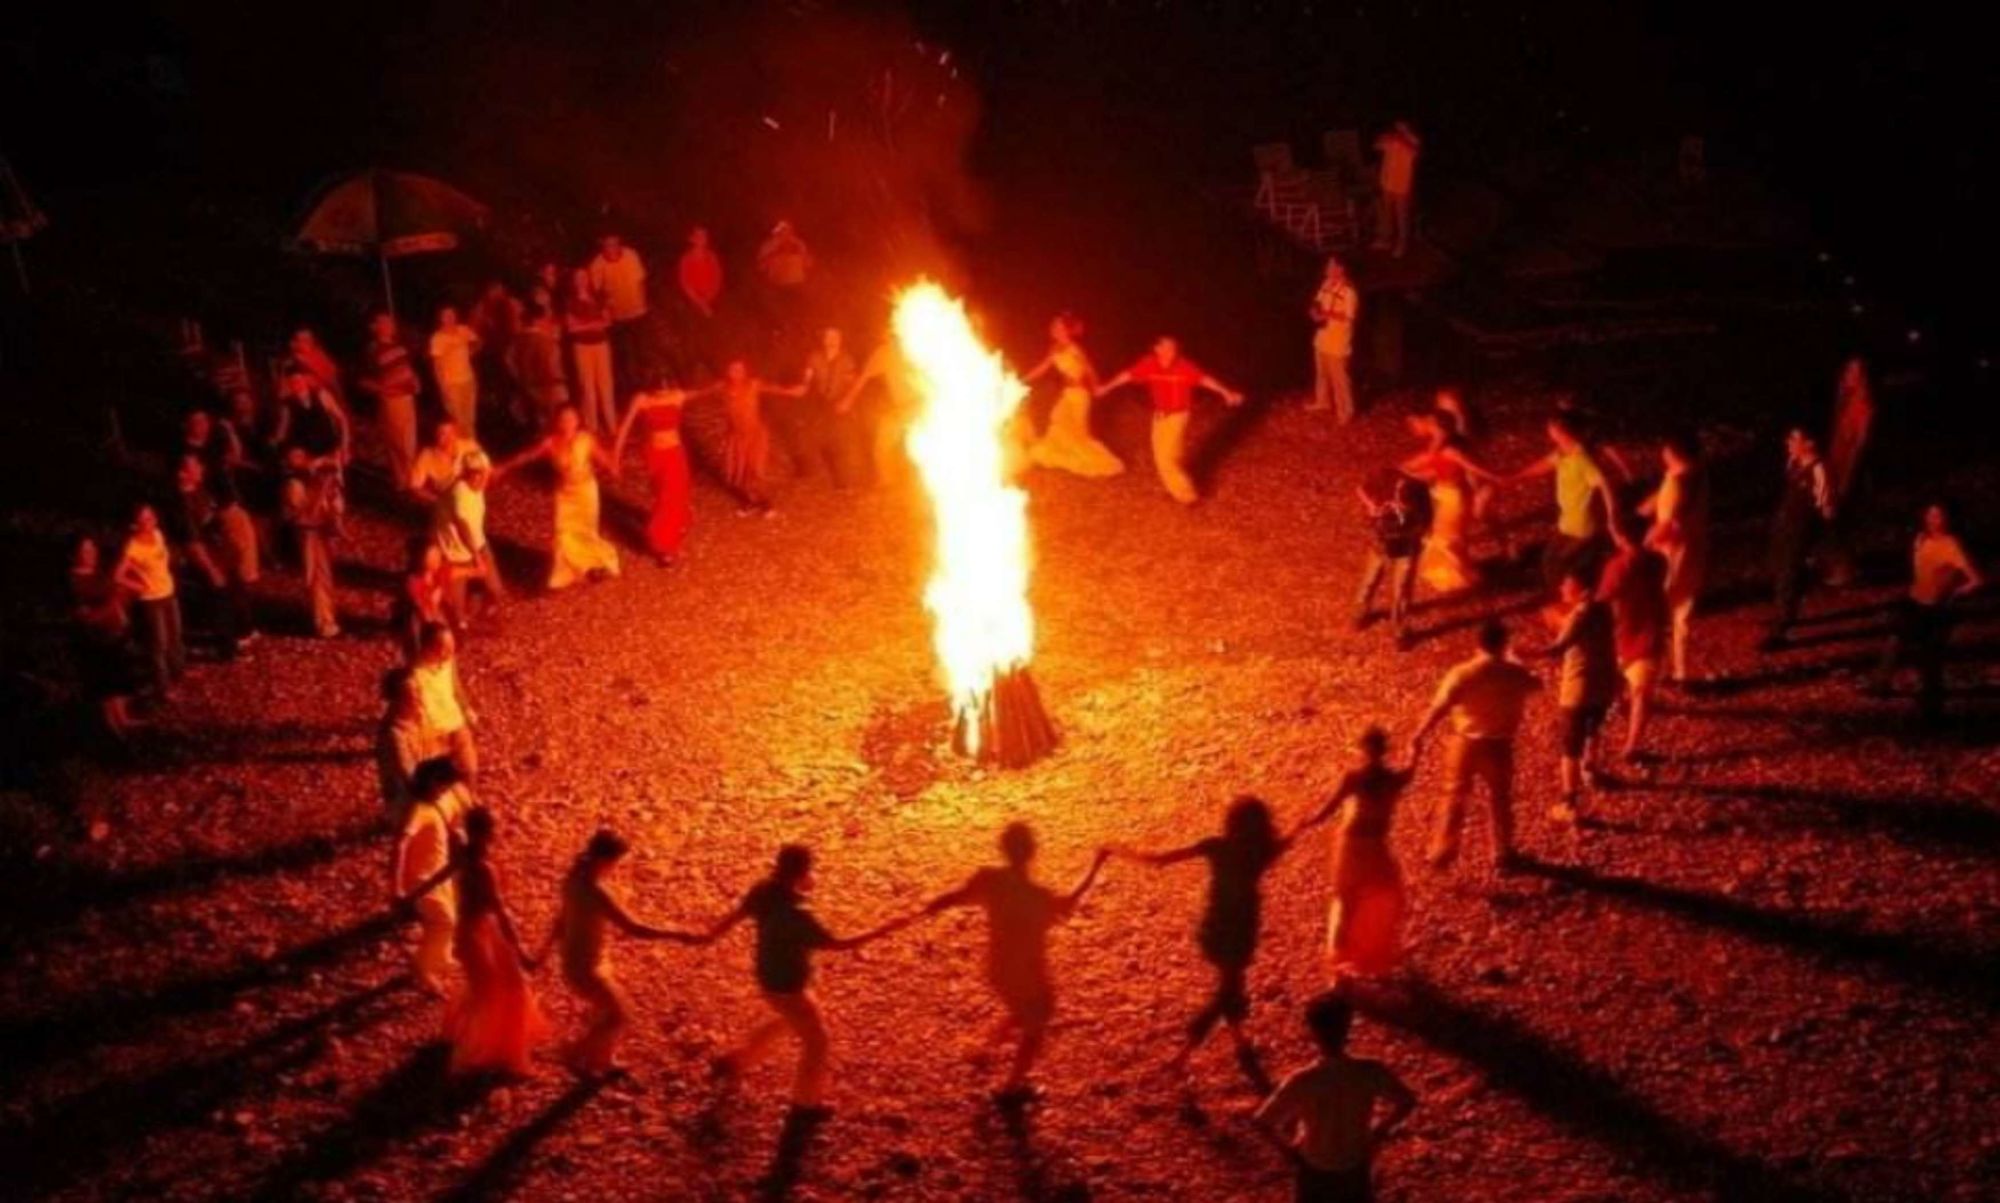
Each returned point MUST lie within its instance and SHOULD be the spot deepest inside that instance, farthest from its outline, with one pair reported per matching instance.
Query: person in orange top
(700, 273)
(1398, 145)
(1171, 378)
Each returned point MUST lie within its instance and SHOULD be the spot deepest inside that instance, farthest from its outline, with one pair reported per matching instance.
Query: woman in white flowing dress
(1067, 443)
(580, 550)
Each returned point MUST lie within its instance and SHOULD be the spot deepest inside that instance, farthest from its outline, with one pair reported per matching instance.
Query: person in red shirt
(1171, 378)
(1635, 584)
(700, 273)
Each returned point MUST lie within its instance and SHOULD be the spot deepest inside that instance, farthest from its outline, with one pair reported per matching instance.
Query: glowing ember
(978, 592)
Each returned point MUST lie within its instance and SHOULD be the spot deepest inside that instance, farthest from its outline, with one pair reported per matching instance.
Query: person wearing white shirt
(1334, 308)
(452, 345)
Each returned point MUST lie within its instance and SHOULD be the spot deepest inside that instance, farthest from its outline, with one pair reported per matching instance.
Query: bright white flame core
(978, 592)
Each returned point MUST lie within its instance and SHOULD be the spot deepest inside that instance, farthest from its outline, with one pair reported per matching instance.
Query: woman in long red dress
(657, 412)
(492, 1022)
(1365, 920)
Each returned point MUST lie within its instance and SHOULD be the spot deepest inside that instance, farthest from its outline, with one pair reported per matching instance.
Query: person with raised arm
(1364, 921)
(1068, 443)
(1485, 697)
(579, 550)
(1020, 912)
(657, 412)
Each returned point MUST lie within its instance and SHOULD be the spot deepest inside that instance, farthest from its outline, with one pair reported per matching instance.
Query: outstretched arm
(1157, 859)
(624, 429)
(721, 927)
(1040, 370)
(622, 919)
(1326, 811)
(1401, 1102)
(1541, 467)
(1229, 395)
(604, 462)
(1114, 384)
(534, 452)
(1089, 878)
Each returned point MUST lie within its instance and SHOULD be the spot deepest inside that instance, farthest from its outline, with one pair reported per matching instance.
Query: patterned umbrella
(388, 214)
(19, 218)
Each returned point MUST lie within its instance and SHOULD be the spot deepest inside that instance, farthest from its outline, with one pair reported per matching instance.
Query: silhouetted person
(589, 911)
(788, 933)
(1237, 861)
(1804, 509)
(1019, 913)
(1323, 1115)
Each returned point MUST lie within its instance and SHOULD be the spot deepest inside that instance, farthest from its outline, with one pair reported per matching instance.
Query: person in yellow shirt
(1485, 697)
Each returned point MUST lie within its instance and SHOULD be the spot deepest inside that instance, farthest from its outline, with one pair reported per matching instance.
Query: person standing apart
(587, 321)
(1920, 622)
(657, 411)
(1846, 451)
(1634, 585)
(589, 911)
(1804, 510)
(308, 501)
(1485, 697)
(618, 275)
(1323, 1116)
(1335, 307)
(1068, 443)
(423, 851)
(788, 933)
(1364, 922)
(452, 347)
(1586, 503)
(1398, 147)
(1171, 379)
(146, 572)
(828, 430)
(579, 550)
(1019, 915)
(699, 273)
(389, 376)
(1680, 532)
(1587, 684)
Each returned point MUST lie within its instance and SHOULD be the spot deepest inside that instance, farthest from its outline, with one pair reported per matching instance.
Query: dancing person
(657, 411)
(309, 501)
(101, 627)
(1634, 584)
(452, 347)
(1804, 510)
(1586, 686)
(1237, 861)
(829, 440)
(403, 741)
(1171, 379)
(492, 1023)
(1920, 621)
(1446, 564)
(1398, 509)
(458, 528)
(145, 572)
(390, 377)
(423, 851)
(587, 322)
(1399, 147)
(535, 357)
(891, 417)
(1364, 922)
(1323, 1116)
(618, 275)
(579, 551)
(1019, 914)
(1485, 697)
(1334, 308)
(1067, 443)
(788, 933)
(1586, 502)
(746, 447)
(1680, 532)
(447, 711)
(442, 461)
(699, 273)
(1847, 446)
(589, 911)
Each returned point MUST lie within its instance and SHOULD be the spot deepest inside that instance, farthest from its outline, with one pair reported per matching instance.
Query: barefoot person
(1068, 443)
(423, 852)
(579, 551)
(1398, 509)
(1485, 697)
(1323, 1115)
(1920, 622)
(1237, 861)
(1171, 379)
(746, 447)
(1364, 923)
(1634, 585)
(1679, 511)
(1334, 308)
(1588, 682)
(657, 412)
(589, 911)
(446, 711)
(1453, 476)
(1585, 500)
(493, 1022)
(1019, 913)
(788, 933)
(1804, 509)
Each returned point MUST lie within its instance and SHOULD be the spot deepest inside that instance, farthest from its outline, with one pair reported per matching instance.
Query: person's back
(787, 933)
(1019, 914)
(1489, 694)
(1376, 789)
(1329, 1105)
(1590, 661)
(583, 921)
(426, 849)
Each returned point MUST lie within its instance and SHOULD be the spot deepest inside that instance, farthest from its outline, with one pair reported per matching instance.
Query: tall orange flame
(978, 591)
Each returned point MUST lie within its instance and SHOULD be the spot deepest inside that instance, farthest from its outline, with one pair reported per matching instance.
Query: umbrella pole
(388, 288)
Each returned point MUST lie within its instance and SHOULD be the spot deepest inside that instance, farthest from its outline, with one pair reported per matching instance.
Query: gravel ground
(1768, 976)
